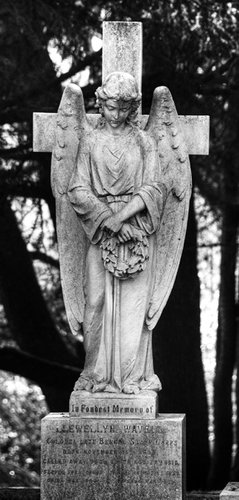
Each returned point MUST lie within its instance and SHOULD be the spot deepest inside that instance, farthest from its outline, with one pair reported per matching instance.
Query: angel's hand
(129, 232)
(137, 234)
(113, 224)
(126, 233)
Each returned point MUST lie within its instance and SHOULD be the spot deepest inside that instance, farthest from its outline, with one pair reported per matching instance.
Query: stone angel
(122, 197)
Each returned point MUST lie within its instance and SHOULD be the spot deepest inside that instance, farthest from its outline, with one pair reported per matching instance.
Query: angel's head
(118, 99)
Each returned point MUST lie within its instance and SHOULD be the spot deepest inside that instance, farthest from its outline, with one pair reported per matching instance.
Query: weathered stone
(22, 493)
(98, 459)
(122, 49)
(230, 492)
(118, 458)
(44, 126)
(122, 200)
(87, 404)
(127, 201)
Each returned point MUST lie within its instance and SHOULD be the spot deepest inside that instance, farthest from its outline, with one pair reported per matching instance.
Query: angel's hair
(120, 86)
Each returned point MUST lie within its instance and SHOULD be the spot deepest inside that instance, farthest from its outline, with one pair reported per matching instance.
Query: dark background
(191, 47)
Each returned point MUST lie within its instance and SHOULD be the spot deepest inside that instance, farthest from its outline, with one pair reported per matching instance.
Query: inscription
(115, 409)
(99, 428)
(132, 488)
(138, 459)
(115, 406)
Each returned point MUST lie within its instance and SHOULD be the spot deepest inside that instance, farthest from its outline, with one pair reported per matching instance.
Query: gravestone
(115, 446)
(230, 492)
(117, 458)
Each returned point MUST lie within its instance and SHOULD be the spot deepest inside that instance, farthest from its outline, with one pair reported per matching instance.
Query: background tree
(191, 48)
(218, 183)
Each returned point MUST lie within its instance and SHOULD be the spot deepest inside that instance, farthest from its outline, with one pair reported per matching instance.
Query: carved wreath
(125, 260)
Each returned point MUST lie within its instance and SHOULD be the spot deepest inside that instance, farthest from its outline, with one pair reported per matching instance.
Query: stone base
(86, 404)
(230, 492)
(112, 459)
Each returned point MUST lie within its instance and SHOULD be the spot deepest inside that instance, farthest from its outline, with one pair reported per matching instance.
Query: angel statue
(122, 196)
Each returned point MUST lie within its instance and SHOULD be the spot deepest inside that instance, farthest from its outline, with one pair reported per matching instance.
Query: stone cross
(122, 51)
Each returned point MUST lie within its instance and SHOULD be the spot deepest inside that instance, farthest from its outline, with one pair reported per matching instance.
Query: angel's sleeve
(153, 191)
(91, 211)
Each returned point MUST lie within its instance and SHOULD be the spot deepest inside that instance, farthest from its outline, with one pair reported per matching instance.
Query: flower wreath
(125, 260)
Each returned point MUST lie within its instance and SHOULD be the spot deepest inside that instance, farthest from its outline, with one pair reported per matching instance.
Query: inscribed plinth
(121, 458)
(85, 404)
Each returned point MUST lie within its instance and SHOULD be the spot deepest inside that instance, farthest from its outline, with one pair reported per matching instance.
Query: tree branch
(38, 370)
(20, 153)
(76, 68)
(53, 82)
(25, 191)
(47, 259)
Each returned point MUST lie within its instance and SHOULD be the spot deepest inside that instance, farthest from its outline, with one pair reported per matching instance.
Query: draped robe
(110, 171)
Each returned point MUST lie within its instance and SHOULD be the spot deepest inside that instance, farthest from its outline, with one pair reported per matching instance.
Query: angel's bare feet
(83, 384)
(98, 387)
(111, 388)
(131, 389)
(151, 384)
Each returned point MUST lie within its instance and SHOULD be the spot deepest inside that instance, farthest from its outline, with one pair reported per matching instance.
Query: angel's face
(116, 112)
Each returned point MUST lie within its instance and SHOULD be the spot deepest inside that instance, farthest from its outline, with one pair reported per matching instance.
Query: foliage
(21, 408)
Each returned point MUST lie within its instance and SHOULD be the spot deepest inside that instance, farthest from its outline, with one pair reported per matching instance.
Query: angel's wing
(71, 127)
(164, 126)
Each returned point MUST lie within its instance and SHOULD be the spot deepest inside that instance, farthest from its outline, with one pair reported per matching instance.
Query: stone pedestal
(85, 404)
(230, 492)
(112, 455)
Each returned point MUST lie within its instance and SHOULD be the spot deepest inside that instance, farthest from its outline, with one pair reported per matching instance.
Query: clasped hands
(124, 230)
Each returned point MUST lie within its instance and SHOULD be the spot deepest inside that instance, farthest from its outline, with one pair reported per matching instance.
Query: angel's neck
(117, 131)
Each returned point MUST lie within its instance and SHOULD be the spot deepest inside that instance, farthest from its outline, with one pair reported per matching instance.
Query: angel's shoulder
(87, 141)
(146, 140)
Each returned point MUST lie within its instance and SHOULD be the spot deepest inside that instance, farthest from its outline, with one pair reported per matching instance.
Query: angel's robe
(111, 170)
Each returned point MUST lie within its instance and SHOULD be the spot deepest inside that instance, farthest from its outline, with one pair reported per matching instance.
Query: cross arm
(195, 128)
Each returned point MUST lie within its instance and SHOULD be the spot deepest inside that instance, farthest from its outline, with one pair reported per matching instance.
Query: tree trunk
(178, 360)
(48, 375)
(226, 353)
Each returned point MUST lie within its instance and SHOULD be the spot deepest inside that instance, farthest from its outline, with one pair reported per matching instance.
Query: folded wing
(164, 126)
(72, 125)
